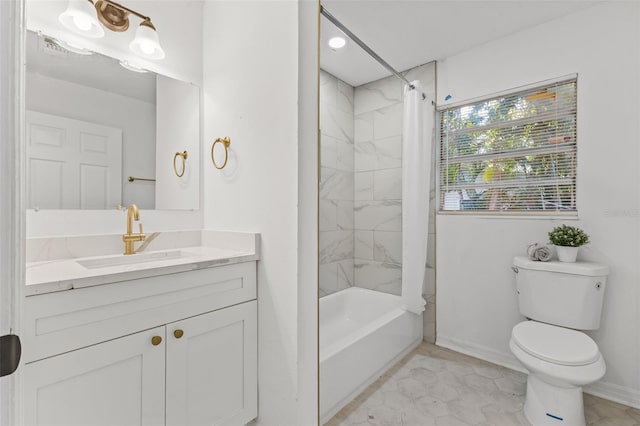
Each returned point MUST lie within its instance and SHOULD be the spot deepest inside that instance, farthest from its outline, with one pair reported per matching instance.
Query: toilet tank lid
(578, 268)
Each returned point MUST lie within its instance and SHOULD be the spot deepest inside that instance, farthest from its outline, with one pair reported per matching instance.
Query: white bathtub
(362, 334)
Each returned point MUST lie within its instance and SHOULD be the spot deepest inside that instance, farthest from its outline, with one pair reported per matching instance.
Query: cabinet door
(212, 368)
(119, 382)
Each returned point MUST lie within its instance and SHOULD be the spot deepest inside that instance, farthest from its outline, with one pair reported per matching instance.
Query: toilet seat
(555, 344)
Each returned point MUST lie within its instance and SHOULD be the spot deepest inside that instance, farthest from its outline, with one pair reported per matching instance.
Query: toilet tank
(565, 294)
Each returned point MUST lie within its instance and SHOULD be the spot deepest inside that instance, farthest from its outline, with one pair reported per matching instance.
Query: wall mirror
(101, 133)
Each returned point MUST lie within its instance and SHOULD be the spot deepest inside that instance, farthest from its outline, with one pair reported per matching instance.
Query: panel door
(212, 368)
(119, 382)
(72, 164)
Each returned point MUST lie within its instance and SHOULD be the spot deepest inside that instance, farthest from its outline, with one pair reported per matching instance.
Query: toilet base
(549, 405)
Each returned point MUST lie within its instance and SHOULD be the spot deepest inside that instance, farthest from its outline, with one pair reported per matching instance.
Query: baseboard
(610, 391)
(615, 393)
(478, 351)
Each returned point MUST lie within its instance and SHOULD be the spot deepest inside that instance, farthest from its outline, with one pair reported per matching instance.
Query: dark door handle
(10, 351)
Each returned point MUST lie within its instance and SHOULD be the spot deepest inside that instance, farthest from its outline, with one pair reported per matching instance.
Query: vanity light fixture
(337, 42)
(88, 18)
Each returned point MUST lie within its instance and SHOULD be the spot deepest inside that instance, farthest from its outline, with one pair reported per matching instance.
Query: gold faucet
(129, 238)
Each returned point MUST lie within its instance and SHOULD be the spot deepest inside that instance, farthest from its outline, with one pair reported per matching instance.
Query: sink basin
(133, 259)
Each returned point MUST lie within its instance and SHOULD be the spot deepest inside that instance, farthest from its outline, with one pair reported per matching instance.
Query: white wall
(251, 95)
(475, 294)
(182, 41)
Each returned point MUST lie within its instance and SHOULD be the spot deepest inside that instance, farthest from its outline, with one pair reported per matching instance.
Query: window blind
(511, 153)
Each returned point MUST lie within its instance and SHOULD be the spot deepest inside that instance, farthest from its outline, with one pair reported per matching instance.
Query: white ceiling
(411, 33)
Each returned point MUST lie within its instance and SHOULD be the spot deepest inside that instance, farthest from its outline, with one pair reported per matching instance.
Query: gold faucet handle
(141, 229)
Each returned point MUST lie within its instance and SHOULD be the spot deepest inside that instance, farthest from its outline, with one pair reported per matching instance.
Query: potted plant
(568, 240)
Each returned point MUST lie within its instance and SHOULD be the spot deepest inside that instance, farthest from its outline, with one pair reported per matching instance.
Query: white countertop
(68, 273)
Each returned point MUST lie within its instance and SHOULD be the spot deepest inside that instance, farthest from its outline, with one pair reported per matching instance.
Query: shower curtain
(416, 172)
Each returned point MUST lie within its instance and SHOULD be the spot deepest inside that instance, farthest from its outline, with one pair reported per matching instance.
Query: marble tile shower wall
(378, 110)
(336, 185)
(361, 187)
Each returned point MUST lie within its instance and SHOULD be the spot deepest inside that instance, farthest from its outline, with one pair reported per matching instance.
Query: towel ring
(226, 141)
(184, 156)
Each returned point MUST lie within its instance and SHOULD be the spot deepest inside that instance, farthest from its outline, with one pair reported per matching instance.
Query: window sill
(512, 215)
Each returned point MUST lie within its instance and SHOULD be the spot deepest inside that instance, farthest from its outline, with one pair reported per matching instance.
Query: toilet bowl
(559, 361)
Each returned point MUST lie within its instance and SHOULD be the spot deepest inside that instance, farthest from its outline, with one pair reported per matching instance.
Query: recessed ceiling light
(337, 42)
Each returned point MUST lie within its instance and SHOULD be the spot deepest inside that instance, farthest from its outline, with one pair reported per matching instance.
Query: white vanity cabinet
(180, 349)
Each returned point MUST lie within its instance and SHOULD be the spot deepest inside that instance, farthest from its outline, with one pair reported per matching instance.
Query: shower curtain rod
(366, 48)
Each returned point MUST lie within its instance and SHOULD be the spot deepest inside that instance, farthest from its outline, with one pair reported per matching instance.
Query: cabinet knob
(156, 340)
(178, 333)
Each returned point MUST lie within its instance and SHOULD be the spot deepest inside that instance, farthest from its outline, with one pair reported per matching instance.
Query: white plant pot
(567, 254)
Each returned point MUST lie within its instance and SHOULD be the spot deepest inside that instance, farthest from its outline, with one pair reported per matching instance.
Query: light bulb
(147, 48)
(82, 22)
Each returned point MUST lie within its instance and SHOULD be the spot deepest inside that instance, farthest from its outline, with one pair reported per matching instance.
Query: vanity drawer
(60, 322)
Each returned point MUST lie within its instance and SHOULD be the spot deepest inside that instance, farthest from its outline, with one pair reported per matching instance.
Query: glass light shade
(80, 17)
(146, 43)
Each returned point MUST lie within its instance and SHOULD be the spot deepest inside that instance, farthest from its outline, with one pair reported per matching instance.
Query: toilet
(558, 299)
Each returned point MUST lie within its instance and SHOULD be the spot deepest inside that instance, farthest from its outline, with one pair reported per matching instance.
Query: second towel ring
(184, 156)
(226, 141)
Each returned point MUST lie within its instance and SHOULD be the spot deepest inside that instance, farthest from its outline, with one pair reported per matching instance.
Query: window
(511, 153)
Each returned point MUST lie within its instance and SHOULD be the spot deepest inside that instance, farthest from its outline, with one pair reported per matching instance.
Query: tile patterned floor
(433, 386)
